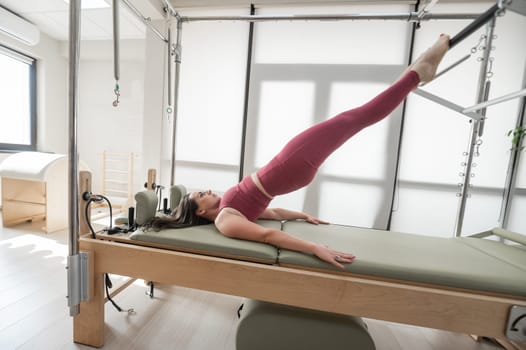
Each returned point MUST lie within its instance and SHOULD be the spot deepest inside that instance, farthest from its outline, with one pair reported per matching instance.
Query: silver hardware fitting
(130, 312)
(516, 328)
(78, 282)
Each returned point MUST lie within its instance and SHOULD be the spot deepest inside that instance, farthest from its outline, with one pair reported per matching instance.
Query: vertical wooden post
(88, 325)
(129, 202)
(84, 186)
(103, 172)
(150, 184)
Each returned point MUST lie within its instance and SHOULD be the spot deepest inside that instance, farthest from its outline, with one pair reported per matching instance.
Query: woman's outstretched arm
(234, 225)
(285, 214)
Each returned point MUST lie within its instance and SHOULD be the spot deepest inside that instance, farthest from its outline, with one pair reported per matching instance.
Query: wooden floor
(34, 313)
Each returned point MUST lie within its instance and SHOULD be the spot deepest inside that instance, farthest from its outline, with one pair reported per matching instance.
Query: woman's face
(205, 200)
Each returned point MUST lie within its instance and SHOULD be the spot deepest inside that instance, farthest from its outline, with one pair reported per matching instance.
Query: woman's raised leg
(297, 163)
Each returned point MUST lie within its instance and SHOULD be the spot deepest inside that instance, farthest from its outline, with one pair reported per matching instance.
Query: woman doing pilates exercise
(293, 168)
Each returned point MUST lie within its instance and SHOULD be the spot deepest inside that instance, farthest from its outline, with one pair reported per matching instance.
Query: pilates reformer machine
(465, 284)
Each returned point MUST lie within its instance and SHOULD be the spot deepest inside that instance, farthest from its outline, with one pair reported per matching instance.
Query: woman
(294, 167)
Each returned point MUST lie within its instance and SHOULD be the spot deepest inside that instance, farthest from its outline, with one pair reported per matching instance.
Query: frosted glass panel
(433, 142)
(212, 91)
(517, 215)
(521, 171)
(344, 203)
(306, 72)
(482, 211)
(292, 201)
(286, 108)
(517, 222)
(211, 98)
(199, 178)
(331, 41)
(425, 211)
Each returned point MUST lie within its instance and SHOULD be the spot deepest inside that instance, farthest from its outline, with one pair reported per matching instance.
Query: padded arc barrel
(265, 326)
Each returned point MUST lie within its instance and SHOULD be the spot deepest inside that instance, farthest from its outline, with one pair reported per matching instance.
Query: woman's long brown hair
(182, 216)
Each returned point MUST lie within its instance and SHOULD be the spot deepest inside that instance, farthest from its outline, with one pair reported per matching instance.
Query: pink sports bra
(246, 198)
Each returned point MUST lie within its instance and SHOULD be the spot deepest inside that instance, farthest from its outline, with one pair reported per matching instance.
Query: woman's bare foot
(426, 65)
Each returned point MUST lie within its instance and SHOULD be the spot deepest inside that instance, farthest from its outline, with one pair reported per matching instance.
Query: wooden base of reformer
(457, 311)
(460, 311)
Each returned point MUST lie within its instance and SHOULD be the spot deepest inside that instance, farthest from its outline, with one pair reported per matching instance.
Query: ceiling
(52, 16)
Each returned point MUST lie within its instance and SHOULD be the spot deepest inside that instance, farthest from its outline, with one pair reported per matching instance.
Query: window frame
(32, 62)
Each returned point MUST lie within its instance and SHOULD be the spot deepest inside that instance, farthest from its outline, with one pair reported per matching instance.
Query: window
(17, 101)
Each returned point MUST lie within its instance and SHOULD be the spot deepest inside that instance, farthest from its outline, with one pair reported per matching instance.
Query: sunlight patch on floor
(38, 244)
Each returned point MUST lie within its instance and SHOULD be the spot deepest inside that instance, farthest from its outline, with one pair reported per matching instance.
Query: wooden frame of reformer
(463, 311)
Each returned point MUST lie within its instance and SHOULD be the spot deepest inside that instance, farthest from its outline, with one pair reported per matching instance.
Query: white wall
(51, 91)
(156, 120)
(101, 126)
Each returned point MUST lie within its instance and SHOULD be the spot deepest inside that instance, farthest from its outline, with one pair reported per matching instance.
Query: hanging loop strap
(117, 92)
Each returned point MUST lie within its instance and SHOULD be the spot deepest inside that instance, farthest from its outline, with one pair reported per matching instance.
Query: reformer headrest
(146, 203)
(145, 206)
(176, 193)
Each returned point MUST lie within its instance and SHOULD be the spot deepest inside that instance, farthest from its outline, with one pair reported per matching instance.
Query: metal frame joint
(78, 278)
(516, 327)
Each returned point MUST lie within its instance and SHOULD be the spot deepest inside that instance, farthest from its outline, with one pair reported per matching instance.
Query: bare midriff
(260, 186)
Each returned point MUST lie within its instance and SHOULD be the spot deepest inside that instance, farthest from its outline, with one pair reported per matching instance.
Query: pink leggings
(297, 163)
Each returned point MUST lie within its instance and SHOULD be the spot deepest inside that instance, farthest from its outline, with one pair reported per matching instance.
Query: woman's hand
(313, 220)
(333, 256)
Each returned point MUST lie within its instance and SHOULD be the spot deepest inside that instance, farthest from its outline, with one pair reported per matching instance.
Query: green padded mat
(205, 239)
(503, 252)
(454, 262)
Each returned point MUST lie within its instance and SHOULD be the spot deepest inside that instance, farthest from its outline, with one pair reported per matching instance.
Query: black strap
(239, 310)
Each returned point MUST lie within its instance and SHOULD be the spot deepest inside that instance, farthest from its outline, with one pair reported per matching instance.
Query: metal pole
(116, 70)
(169, 62)
(476, 24)
(443, 102)
(447, 69)
(495, 101)
(116, 55)
(74, 48)
(511, 175)
(475, 128)
(176, 93)
(410, 54)
(170, 10)
(146, 20)
(408, 16)
(247, 93)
